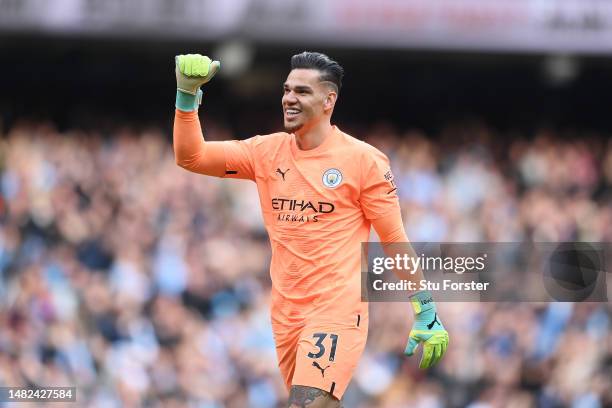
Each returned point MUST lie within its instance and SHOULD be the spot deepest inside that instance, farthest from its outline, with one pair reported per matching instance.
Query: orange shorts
(320, 355)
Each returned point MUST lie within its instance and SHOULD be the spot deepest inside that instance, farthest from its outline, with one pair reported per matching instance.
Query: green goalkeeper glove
(192, 71)
(428, 329)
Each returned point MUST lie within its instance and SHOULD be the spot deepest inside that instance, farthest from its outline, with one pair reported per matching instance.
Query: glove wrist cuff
(422, 301)
(188, 102)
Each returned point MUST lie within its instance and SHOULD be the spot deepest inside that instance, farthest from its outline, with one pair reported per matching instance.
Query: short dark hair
(330, 70)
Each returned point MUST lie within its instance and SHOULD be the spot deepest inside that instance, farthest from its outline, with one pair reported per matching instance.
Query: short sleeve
(378, 196)
(240, 158)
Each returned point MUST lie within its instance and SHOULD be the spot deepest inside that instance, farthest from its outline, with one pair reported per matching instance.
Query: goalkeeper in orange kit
(321, 191)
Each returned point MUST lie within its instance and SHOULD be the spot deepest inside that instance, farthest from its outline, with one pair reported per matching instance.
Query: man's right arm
(191, 152)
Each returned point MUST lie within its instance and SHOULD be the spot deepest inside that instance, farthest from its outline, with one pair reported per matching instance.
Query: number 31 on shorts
(320, 344)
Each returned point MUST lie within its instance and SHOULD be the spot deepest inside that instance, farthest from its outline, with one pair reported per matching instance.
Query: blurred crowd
(144, 285)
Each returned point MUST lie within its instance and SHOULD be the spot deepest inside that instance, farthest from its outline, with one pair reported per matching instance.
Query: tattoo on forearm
(303, 396)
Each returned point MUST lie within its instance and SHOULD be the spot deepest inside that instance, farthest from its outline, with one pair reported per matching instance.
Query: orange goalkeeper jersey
(317, 207)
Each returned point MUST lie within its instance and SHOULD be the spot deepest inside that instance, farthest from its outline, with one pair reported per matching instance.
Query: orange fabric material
(315, 230)
(315, 226)
(390, 228)
(190, 150)
(335, 348)
(318, 207)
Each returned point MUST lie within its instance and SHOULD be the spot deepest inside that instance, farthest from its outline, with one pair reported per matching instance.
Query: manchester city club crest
(332, 178)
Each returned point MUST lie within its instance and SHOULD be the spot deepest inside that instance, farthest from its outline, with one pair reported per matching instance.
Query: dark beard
(293, 128)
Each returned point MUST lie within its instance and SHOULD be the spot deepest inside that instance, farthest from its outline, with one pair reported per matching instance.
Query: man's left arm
(380, 205)
(427, 327)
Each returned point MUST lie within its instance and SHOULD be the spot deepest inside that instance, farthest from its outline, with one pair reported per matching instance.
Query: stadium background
(144, 285)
